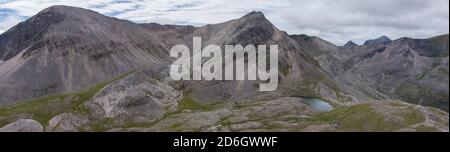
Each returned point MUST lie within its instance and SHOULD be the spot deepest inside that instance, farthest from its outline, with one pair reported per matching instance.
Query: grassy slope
(43, 109)
(363, 117)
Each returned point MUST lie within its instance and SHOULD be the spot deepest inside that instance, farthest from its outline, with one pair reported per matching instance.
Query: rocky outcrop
(66, 122)
(23, 125)
(144, 96)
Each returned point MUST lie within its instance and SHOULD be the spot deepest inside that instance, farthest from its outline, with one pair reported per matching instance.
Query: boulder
(23, 125)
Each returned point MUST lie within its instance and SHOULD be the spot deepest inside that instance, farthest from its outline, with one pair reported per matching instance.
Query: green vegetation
(225, 121)
(273, 126)
(284, 70)
(411, 91)
(43, 109)
(175, 127)
(443, 71)
(363, 117)
(102, 125)
(417, 93)
(434, 65)
(423, 128)
(188, 103)
(412, 116)
(441, 41)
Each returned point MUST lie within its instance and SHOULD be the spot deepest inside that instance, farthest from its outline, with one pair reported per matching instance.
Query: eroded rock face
(23, 125)
(143, 96)
(66, 122)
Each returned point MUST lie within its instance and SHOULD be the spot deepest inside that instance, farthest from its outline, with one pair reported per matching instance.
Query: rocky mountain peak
(254, 15)
(381, 40)
(252, 28)
(350, 44)
(63, 12)
(60, 9)
(50, 22)
(66, 10)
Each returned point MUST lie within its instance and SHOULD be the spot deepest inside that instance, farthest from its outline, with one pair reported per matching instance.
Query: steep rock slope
(300, 74)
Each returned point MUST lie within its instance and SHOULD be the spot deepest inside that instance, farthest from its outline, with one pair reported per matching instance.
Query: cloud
(337, 21)
(343, 20)
(9, 21)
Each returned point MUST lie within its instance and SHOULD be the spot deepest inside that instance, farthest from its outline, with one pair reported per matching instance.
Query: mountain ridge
(91, 72)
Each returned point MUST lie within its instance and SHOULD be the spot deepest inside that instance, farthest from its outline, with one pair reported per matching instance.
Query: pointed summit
(254, 16)
(350, 44)
(257, 14)
(252, 28)
(381, 40)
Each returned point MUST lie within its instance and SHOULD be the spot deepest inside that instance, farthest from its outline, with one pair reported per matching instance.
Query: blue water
(318, 104)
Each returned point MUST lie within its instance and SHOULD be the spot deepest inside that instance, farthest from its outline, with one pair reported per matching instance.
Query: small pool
(318, 104)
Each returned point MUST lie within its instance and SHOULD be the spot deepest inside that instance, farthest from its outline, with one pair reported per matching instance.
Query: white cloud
(337, 21)
(8, 22)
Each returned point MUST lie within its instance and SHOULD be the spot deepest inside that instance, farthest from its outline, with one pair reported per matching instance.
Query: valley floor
(70, 112)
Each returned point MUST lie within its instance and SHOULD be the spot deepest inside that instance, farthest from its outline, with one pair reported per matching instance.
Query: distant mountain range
(71, 69)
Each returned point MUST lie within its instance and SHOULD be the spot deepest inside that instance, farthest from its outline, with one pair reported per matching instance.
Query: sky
(337, 21)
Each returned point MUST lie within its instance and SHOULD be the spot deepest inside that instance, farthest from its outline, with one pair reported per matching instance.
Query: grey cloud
(335, 20)
(342, 20)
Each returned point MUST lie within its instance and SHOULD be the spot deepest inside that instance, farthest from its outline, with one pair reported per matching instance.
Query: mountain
(252, 28)
(64, 49)
(315, 45)
(381, 40)
(350, 44)
(72, 69)
(412, 70)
